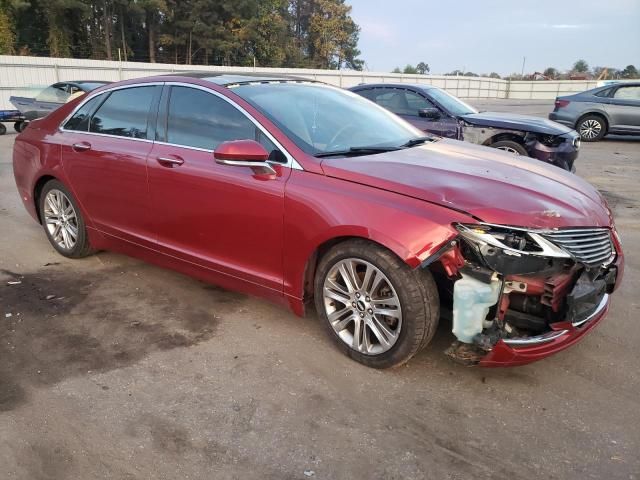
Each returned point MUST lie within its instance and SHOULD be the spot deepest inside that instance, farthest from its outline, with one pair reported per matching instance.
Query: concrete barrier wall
(26, 76)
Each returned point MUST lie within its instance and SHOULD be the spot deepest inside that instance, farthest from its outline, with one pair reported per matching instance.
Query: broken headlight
(511, 250)
(514, 241)
(550, 140)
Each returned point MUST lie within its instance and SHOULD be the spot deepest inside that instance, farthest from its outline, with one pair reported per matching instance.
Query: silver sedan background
(597, 112)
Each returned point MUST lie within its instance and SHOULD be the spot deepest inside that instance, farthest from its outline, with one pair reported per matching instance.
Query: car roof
(418, 86)
(225, 79)
(80, 82)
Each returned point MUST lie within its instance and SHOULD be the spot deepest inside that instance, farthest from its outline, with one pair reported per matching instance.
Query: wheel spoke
(52, 206)
(387, 312)
(333, 285)
(342, 324)
(375, 284)
(65, 238)
(56, 233)
(348, 280)
(357, 335)
(340, 297)
(338, 314)
(382, 333)
(73, 233)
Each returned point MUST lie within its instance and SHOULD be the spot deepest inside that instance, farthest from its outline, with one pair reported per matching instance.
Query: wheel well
(594, 114)
(504, 136)
(37, 190)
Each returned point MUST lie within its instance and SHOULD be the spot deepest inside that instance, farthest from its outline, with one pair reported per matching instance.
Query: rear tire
(62, 221)
(19, 126)
(389, 300)
(591, 128)
(3, 129)
(511, 147)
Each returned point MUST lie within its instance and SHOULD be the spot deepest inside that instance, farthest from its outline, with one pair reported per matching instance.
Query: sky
(484, 36)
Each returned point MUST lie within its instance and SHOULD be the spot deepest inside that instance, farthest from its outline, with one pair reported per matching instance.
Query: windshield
(322, 119)
(452, 104)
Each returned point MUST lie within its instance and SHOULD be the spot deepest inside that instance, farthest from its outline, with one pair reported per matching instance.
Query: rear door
(624, 109)
(104, 154)
(226, 218)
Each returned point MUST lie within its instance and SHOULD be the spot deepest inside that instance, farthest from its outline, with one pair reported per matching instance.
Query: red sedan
(303, 193)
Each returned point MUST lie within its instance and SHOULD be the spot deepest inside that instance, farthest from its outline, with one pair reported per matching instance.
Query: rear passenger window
(80, 120)
(200, 119)
(628, 93)
(124, 113)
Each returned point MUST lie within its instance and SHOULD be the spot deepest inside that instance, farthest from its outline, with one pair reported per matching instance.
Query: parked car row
(306, 194)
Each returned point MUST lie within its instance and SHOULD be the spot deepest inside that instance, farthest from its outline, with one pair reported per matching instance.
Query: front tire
(591, 128)
(377, 310)
(511, 147)
(62, 221)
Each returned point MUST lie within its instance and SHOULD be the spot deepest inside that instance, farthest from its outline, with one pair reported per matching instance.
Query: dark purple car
(433, 110)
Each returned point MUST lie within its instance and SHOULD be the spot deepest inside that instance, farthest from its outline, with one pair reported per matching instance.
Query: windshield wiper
(356, 151)
(417, 141)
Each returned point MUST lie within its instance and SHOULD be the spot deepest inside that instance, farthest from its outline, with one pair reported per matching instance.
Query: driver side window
(399, 101)
(200, 119)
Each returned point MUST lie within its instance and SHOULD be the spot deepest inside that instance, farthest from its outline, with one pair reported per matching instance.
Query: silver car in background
(595, 113)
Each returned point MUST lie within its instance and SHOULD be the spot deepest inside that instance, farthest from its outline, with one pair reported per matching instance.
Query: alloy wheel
(61, 219)
(590, 129)
(509, 149)
(362, 306)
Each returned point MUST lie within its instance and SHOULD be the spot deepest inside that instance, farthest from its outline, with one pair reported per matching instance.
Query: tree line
(579, 69)
(267, 33)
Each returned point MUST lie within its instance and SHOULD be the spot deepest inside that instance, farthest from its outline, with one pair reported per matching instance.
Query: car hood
(527, 123)
(491, 185)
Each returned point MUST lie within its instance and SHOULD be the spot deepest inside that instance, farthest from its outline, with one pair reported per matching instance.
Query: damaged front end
(519, 295)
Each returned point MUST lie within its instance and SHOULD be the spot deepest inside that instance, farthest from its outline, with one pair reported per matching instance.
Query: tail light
(562, 103)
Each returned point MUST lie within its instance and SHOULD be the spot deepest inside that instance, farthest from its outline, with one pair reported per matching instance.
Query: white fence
(25, 76)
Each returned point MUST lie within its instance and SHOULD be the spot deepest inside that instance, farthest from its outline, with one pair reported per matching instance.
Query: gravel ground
(130, 371)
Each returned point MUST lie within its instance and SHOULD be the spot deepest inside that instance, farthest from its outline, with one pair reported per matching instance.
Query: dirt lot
(131, 371)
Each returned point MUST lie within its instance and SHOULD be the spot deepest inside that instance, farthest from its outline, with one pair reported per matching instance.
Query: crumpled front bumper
(562, 156)
(514, 352)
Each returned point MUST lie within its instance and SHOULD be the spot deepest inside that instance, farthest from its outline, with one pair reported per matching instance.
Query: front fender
(320, 209)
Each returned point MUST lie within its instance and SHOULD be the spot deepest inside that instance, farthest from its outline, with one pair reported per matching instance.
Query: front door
(407, 104)
(104, 154)
(226, 218)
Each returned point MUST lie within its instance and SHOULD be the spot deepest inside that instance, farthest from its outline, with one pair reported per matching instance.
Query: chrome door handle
(81, 147)
(170, 162)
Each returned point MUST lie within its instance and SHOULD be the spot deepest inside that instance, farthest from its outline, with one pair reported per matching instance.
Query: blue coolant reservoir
(471, 302)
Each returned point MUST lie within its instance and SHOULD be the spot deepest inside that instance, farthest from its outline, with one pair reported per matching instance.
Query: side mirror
(431, 113)
(243, 153)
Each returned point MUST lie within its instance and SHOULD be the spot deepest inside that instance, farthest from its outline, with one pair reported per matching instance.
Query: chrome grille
(591, 246)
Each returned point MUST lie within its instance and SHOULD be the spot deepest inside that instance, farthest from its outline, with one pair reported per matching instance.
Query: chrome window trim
(291, 162)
